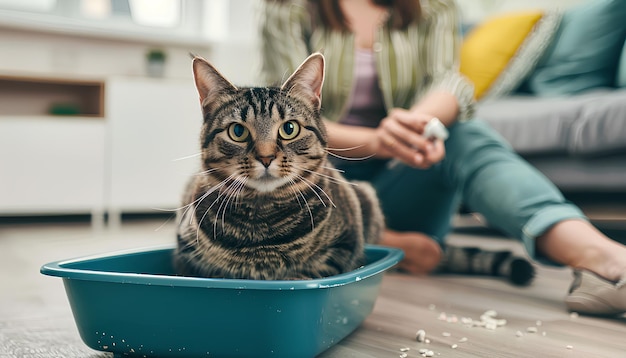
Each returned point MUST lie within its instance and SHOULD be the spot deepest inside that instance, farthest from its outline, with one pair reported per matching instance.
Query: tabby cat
(267, 203)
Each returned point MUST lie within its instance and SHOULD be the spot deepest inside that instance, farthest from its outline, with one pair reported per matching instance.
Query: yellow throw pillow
(499, 53)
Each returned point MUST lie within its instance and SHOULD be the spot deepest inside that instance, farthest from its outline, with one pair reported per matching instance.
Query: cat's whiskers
(349, 158)
(206, 212)
(232, 192)
(223, 204)
(242, 184)
(187, 157)
(164, 223)
(195, 207)
(333, 169)
(306, 182)
(293, 183)
(309, 183)
(208, 171)
(331, 178)
(229, 193)
(204, 196)
(219, 199)
(345, 149)
(187, 206)
(306, 203)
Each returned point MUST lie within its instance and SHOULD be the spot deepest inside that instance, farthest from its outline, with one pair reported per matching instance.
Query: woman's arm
(353, 141)
(441, 104)
(389, 140)
(449, 96)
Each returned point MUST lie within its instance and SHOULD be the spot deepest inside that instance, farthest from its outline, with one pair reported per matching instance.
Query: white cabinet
(153, 123)
(51, 165)
(121, 153)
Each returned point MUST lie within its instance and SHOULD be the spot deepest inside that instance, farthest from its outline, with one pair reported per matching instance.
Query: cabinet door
(51, 165)
(153, 124)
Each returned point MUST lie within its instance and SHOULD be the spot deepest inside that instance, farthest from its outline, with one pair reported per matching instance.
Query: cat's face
(262, 138)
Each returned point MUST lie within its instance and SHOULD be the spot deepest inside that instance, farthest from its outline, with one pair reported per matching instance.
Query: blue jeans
(482, 171)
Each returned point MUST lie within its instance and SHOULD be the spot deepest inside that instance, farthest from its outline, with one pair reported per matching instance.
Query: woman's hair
(402, 12)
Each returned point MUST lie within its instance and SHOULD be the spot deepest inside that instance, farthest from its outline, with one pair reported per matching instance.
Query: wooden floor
(36, 321)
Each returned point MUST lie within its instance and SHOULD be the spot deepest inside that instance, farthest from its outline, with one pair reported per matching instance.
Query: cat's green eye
(289, 130)
(238, 132)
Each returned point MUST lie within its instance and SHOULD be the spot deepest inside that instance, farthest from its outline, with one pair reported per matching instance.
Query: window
(163, 13)
(29, 5)
(162, 19)
(156, 13)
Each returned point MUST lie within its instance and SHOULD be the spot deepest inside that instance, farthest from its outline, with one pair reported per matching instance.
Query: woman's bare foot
(421, 253)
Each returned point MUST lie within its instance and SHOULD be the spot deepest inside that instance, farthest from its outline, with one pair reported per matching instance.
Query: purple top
(366, 107)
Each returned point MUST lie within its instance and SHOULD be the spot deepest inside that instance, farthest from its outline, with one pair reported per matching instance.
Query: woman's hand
(400, 136)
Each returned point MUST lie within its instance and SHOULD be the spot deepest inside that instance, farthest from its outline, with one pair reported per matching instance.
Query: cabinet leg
(97, 220)
(115, 220)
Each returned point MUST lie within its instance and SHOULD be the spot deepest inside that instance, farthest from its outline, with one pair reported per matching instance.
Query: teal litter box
(132, 304)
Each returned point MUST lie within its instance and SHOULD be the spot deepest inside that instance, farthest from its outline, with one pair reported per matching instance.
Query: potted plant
(156, 62)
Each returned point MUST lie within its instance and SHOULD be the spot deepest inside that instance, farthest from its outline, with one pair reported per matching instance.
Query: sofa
(553, 84)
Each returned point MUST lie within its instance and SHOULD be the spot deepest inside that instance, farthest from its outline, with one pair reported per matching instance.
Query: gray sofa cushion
(598, 174)
(588, 124)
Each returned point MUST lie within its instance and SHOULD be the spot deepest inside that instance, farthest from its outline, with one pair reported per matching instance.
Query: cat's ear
(308, 79)
(211, 84)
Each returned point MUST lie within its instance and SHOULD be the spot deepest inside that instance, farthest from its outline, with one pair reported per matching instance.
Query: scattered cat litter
(423, 351)
(490, 321)
(420, 336)
(446, 334)
(403, 355)
(454, 346)
(573, 315)
(463, 340)
(569, 347)
(531, 329)
(519, 334)
(538, 323)
(405, 349)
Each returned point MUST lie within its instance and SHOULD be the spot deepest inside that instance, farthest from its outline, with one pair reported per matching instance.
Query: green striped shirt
(410, 62)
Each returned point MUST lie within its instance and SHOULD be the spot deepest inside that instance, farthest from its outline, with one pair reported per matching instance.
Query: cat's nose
(266, 160)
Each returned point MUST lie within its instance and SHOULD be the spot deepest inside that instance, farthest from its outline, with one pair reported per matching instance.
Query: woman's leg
(418, 207)
(417, 200)
(516, 198)
(580, 245)
(422, 254)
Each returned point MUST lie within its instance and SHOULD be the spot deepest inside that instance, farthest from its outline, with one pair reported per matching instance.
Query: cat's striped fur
(267, 203)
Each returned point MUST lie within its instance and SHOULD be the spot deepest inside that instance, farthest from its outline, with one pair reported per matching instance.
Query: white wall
(231, 25)
(46, 53)
(230, 45)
